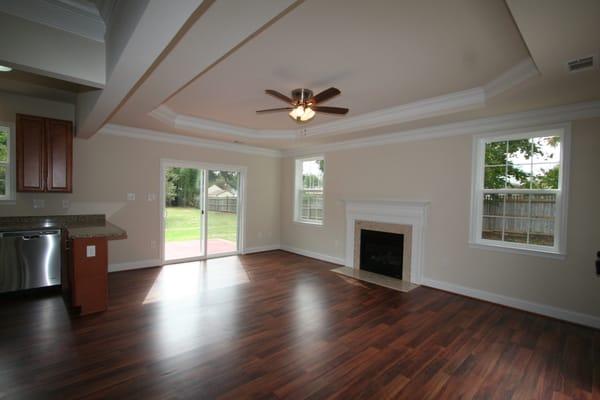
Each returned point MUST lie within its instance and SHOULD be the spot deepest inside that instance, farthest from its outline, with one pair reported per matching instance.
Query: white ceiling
(392, 60)
(379, 53)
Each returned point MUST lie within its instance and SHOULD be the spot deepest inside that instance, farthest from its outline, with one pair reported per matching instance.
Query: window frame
(477, 191)
(9, 197)
(298, 187)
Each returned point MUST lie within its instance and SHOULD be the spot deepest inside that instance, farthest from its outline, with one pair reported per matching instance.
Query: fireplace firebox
(382, 252)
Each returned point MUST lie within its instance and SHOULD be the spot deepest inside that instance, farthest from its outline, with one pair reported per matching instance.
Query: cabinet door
(90, 275)
(31, 157)
(59, 153)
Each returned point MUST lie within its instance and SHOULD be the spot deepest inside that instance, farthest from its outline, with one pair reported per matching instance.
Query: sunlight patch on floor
(181, 281)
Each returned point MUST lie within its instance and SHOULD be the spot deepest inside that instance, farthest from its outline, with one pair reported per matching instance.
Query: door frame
(241, 206)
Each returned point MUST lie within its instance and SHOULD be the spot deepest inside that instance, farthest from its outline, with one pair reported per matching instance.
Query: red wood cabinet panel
(31, 157)
(59, 153)
(89, 275)
(44, 154)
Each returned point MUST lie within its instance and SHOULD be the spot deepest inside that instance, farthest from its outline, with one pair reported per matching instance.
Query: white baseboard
(542, 309)
(311, 254)
(133, 265)
(259, 249)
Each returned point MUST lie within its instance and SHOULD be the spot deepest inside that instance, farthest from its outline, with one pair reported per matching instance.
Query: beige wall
(107, 167)
(439, 171)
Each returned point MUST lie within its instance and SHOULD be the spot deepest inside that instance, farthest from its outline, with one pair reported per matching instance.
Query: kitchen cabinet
(88, 274)
(44, 154)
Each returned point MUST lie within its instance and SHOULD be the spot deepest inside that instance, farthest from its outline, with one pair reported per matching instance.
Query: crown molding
(67, 15)
(163, 137)
(199, 125)
(521, 72)
(433, 107)
(527, 119)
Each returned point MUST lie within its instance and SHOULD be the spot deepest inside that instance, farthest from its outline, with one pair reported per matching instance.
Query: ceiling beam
(133, 43)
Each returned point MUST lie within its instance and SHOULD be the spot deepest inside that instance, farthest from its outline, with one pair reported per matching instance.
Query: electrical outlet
(130, 196)
(66, 203)
(153, 244)
(90, 251)
(39, 203)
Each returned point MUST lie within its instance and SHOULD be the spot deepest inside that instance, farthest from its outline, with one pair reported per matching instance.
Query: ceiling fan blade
(324, 95)
(280, 96)
(274, 109)
(331, 110)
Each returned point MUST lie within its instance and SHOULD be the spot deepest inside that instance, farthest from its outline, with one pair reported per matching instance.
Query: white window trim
(9, 198)
(560, 228)
(298, 182)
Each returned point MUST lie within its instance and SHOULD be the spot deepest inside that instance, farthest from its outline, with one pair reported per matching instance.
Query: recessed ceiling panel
(379, 53)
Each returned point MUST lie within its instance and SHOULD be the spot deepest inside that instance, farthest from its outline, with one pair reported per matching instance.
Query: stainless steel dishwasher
(29, 259)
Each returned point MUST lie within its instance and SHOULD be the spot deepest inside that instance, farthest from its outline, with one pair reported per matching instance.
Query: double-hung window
(5, 164)
(519, 191)
(308, 199)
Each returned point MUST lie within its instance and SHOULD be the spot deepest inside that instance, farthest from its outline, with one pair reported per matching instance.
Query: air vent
(581, 64)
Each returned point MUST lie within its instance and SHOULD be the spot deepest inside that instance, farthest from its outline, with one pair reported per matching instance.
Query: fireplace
(407, 218)
(383, 248)
(382, 252)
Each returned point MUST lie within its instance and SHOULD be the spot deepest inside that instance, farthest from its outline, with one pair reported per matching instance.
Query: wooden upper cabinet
(31, 158)
(59, 153)
(44, 154)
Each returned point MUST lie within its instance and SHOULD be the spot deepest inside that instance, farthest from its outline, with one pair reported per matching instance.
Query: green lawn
(184, 224)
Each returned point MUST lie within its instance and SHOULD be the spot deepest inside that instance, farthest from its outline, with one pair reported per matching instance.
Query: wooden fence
(520, 216)
(222, 204)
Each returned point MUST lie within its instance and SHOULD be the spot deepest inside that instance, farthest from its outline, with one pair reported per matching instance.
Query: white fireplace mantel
(412, 213)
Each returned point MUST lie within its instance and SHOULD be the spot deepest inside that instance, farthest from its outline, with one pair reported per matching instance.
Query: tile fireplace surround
(405, 217)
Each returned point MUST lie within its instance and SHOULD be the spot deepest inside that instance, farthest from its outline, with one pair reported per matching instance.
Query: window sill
(314, 223)
(518, 250)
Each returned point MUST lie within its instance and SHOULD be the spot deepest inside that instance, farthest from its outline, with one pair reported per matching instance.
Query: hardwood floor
(279, 325)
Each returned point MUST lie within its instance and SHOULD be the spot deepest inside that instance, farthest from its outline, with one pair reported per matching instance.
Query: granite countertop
(77, 226)
(107, 230)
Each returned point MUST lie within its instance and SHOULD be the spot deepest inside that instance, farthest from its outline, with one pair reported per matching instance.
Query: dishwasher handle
(29, 235)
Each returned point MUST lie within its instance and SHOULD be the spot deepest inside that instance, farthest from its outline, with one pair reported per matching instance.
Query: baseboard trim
(126, 266)
(536, 308)
(311, 254)
(260, 249)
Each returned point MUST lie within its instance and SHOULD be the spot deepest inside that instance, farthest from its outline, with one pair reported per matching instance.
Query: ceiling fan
(304, 104)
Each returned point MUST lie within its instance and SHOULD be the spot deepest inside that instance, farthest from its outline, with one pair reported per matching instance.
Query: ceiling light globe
(308, 114)
(297, 113)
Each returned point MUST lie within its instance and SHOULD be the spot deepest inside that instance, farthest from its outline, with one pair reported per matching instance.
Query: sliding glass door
(183, 221)
(201, 211)
(222, 212)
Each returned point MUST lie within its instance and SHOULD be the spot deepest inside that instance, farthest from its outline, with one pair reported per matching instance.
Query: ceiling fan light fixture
(297, 113)
(300, 113)
(309, 114)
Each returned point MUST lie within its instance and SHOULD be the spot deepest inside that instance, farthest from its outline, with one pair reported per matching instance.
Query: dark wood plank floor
(278, 325)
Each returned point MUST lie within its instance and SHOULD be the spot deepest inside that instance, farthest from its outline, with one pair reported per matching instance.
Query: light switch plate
(90, 251)
(151, 196)
(130, 196)
(39, 203)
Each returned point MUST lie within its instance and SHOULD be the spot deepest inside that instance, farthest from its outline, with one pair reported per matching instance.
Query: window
(308, 201)
(5, 170)
(519, 191)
